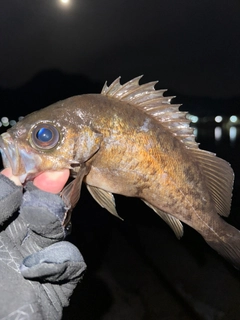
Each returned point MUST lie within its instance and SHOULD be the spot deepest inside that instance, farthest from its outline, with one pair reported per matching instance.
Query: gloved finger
(43, 212)
(60, 262)
(10, 197)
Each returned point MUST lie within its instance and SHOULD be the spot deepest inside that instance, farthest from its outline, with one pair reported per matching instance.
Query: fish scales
(129, 140)
(164, 169)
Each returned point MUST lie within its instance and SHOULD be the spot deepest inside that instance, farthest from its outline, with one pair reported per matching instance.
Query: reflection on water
(218, 133)
(232, 134)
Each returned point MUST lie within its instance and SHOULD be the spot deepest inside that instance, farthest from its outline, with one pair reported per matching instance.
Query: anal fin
(173, 222)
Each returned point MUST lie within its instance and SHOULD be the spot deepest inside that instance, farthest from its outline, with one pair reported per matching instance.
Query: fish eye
(45, 136)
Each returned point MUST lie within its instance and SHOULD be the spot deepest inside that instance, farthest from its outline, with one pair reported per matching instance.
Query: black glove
(38, 270)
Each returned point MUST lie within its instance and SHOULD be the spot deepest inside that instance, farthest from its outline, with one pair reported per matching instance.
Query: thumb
(52, 181)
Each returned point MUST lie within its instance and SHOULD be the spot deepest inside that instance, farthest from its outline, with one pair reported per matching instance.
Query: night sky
(191, 47)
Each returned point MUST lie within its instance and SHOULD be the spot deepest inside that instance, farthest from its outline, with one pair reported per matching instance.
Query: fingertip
(7, 172)
(52, 181)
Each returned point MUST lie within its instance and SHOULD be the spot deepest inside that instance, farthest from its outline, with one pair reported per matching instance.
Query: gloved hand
(38, 270)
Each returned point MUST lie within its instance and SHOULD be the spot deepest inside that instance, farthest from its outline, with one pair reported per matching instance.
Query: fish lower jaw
(28, 176)
(22, 178)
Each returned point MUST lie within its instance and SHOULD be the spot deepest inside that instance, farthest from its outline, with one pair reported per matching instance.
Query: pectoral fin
(71, 193)
(174, 223)
(104, 198)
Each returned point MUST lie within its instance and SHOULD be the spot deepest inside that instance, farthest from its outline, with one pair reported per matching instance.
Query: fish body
(130, 140)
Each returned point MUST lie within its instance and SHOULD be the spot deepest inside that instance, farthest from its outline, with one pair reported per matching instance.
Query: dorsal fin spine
(152, 102)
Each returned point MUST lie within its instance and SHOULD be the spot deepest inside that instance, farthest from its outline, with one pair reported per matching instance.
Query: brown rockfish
(129, 140)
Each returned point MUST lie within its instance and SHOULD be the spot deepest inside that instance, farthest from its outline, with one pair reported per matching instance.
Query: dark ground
(137, 269)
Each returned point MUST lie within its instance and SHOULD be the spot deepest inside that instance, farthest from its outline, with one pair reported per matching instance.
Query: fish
(132, 140)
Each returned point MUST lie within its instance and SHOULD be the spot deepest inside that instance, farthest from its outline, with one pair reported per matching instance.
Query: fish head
(48, 139)
(35, 145)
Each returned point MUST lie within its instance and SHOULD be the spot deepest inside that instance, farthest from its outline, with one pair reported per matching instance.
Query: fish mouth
(23, 163)
(8, 152)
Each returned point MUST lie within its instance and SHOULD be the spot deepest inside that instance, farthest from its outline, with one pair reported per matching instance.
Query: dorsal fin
(153, 103)
(218, 173)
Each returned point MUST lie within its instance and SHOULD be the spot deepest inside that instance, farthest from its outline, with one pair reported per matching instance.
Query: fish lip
(6, 146)
(22, 162)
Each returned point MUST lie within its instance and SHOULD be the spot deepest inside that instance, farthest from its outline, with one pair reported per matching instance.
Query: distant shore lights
(233, 119)
(218, 119)
(192, 118)
(5, 122)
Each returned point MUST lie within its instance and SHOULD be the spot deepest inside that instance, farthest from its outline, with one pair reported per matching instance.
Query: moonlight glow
(65, 2)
